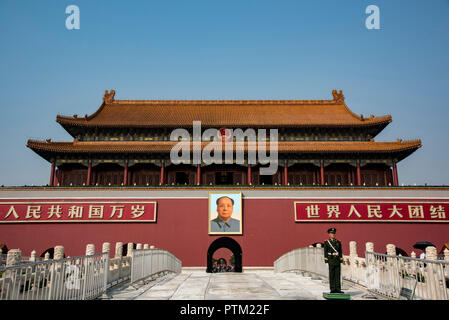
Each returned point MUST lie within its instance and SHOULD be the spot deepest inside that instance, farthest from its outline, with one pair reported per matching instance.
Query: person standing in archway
(333, 257)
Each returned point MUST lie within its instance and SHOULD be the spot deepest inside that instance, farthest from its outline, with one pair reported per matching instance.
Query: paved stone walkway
(264, 285)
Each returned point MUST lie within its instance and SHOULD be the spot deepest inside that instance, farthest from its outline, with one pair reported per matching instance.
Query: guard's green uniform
(333, 258)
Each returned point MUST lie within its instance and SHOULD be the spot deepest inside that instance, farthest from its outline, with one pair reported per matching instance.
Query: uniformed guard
(333, 257)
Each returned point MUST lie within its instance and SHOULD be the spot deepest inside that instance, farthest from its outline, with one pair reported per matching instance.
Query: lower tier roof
(80, 147)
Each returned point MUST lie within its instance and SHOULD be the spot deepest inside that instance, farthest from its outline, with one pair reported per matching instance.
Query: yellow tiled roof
(166, 146)
(222, 113)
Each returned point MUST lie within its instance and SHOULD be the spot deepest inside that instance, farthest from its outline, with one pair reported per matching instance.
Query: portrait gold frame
(224, 193)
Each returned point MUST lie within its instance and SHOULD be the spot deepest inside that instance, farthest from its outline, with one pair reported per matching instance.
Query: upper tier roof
(222, 113)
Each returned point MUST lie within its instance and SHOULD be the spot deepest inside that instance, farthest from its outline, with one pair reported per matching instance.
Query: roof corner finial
(109, 96)
(338, 96)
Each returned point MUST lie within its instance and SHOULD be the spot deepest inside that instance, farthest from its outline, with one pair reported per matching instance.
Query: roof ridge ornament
(338, 96)
(109, 96)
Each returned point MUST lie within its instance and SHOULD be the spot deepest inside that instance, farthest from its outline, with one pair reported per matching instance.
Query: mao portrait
(225, 213)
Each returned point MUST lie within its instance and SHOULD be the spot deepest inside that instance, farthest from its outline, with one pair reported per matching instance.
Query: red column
(125, 174)
(285, 173)
(198, 174)
(395, 175)
(57, 177)
(359, 176)
(52, 174)
(161, 179)
(89, 174)
(249, 174)
(322, 172)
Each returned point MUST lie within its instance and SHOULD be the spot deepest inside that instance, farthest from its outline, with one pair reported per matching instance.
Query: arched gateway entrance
(231, 244)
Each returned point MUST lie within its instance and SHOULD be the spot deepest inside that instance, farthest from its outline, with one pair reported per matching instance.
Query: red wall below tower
(269, 230)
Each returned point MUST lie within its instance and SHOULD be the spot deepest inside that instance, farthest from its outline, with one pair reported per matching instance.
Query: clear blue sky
(233, 49)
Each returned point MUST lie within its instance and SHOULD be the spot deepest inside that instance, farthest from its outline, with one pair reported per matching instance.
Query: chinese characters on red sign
(371, 211)
(25, 211)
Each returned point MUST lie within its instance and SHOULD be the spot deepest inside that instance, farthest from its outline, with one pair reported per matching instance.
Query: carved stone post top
(33, 256)
(58, 253)
(47, 256)
(413, 254)
(106, 247)
(369, 246)
(151, 247)
(118, 249)
(139, 246)
(318, 245)
(13, 257)
(146, 246)
(431, 253)
(130, 248)
(446, 254)
(90, 249)
(391, 249)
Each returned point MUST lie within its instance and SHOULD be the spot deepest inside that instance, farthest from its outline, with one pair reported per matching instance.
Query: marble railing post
(412, 263)
(393, 268)
(139, 246)
(446, 254)
(47, 256)
(146, 246)
(370, 264)
(129, 253)
(353, 249)
(90, 249)
(13, 257)
(431, 253)
(391, 249)
(58, 253)
(432, 273)
(106, 247)
(130, 249)
(118, 249)
(33, 256)
(118, 255)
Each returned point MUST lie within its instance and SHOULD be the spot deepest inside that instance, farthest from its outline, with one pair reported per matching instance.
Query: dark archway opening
(225, 242)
